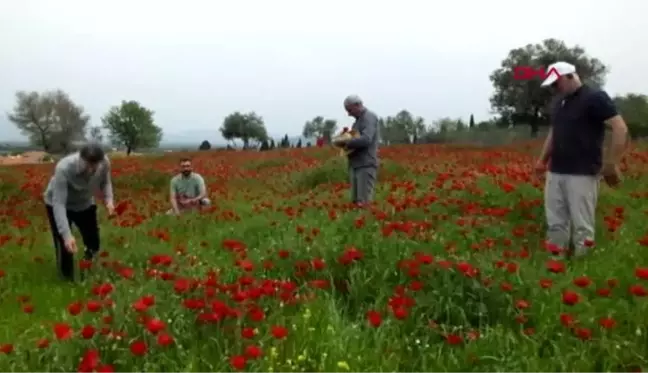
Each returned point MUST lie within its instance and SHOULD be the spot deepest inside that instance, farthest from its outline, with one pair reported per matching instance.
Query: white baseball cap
(556, 70)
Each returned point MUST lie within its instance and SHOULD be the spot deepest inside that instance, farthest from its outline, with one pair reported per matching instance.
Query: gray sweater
(366, 146)
(72, 189)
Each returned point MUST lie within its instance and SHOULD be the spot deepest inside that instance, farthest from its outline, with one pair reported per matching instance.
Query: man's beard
(186, 173)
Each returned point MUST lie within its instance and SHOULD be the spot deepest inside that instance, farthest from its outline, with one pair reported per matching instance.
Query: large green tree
(320, 127)
(131, 125)
(50, 120)
(403, 128)
(524, 101)
(244, 126)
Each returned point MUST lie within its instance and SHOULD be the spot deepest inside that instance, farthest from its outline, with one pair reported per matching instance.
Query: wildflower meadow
(446, 271)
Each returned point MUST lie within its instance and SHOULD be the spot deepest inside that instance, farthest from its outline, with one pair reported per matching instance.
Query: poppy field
(446, 271)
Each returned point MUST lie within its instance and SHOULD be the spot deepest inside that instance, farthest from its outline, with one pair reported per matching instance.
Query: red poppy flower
(279, 332)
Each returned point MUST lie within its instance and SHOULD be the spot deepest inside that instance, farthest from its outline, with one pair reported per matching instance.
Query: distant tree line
(51, 119)
(514, 102)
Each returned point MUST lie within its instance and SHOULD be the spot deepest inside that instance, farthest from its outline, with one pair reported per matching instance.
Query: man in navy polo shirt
(573, 152)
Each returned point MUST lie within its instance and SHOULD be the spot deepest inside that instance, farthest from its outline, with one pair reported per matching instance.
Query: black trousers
(86, 222)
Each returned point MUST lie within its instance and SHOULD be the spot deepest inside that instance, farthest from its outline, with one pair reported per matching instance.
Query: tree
(272, 144)
(391, 131)
(299, 144)
(524, 101)
(444, 125)
(403, 128)
(404, 121)
(245, 127)
(205, 145)
(383, 126)
(131, 125)
(264, 145)
(285, 142)
(441, 129)
(70, 123)
(634, 109)
(50, 120)
(485, 125)
(320, 127)
(471, 123)
(417, 129)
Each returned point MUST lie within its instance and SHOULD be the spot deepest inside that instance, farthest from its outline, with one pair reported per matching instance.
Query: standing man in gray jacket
(363, 159)
(69, 200)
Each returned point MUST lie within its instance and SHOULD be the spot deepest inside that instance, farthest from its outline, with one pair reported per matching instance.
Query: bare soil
(33, 157)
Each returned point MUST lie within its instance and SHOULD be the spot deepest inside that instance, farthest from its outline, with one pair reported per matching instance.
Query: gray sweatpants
(363, 182)
(570, 206)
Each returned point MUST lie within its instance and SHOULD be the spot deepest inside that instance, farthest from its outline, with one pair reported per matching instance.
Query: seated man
(188, 190)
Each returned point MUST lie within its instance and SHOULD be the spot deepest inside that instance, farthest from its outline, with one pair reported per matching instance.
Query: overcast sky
(195, 61)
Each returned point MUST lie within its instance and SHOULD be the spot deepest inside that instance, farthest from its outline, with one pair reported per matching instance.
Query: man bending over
(69, 199)
(188, 190)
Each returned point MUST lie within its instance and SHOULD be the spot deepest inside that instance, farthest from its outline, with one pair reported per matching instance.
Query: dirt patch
(120, 154)
(33, 157)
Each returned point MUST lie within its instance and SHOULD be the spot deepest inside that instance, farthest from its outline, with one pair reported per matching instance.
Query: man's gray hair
(92, 152)
(352, 100)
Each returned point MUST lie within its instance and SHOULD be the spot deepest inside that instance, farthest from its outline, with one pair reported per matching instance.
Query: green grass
(298, 217)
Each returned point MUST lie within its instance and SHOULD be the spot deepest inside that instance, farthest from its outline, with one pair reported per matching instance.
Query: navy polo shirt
(578, 130)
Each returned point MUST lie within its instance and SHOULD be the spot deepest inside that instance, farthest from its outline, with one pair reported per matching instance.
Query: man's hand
(341, 142)
(611, 174)
(70, 245)
(540, 167)
(111, 209)
(184, 202)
